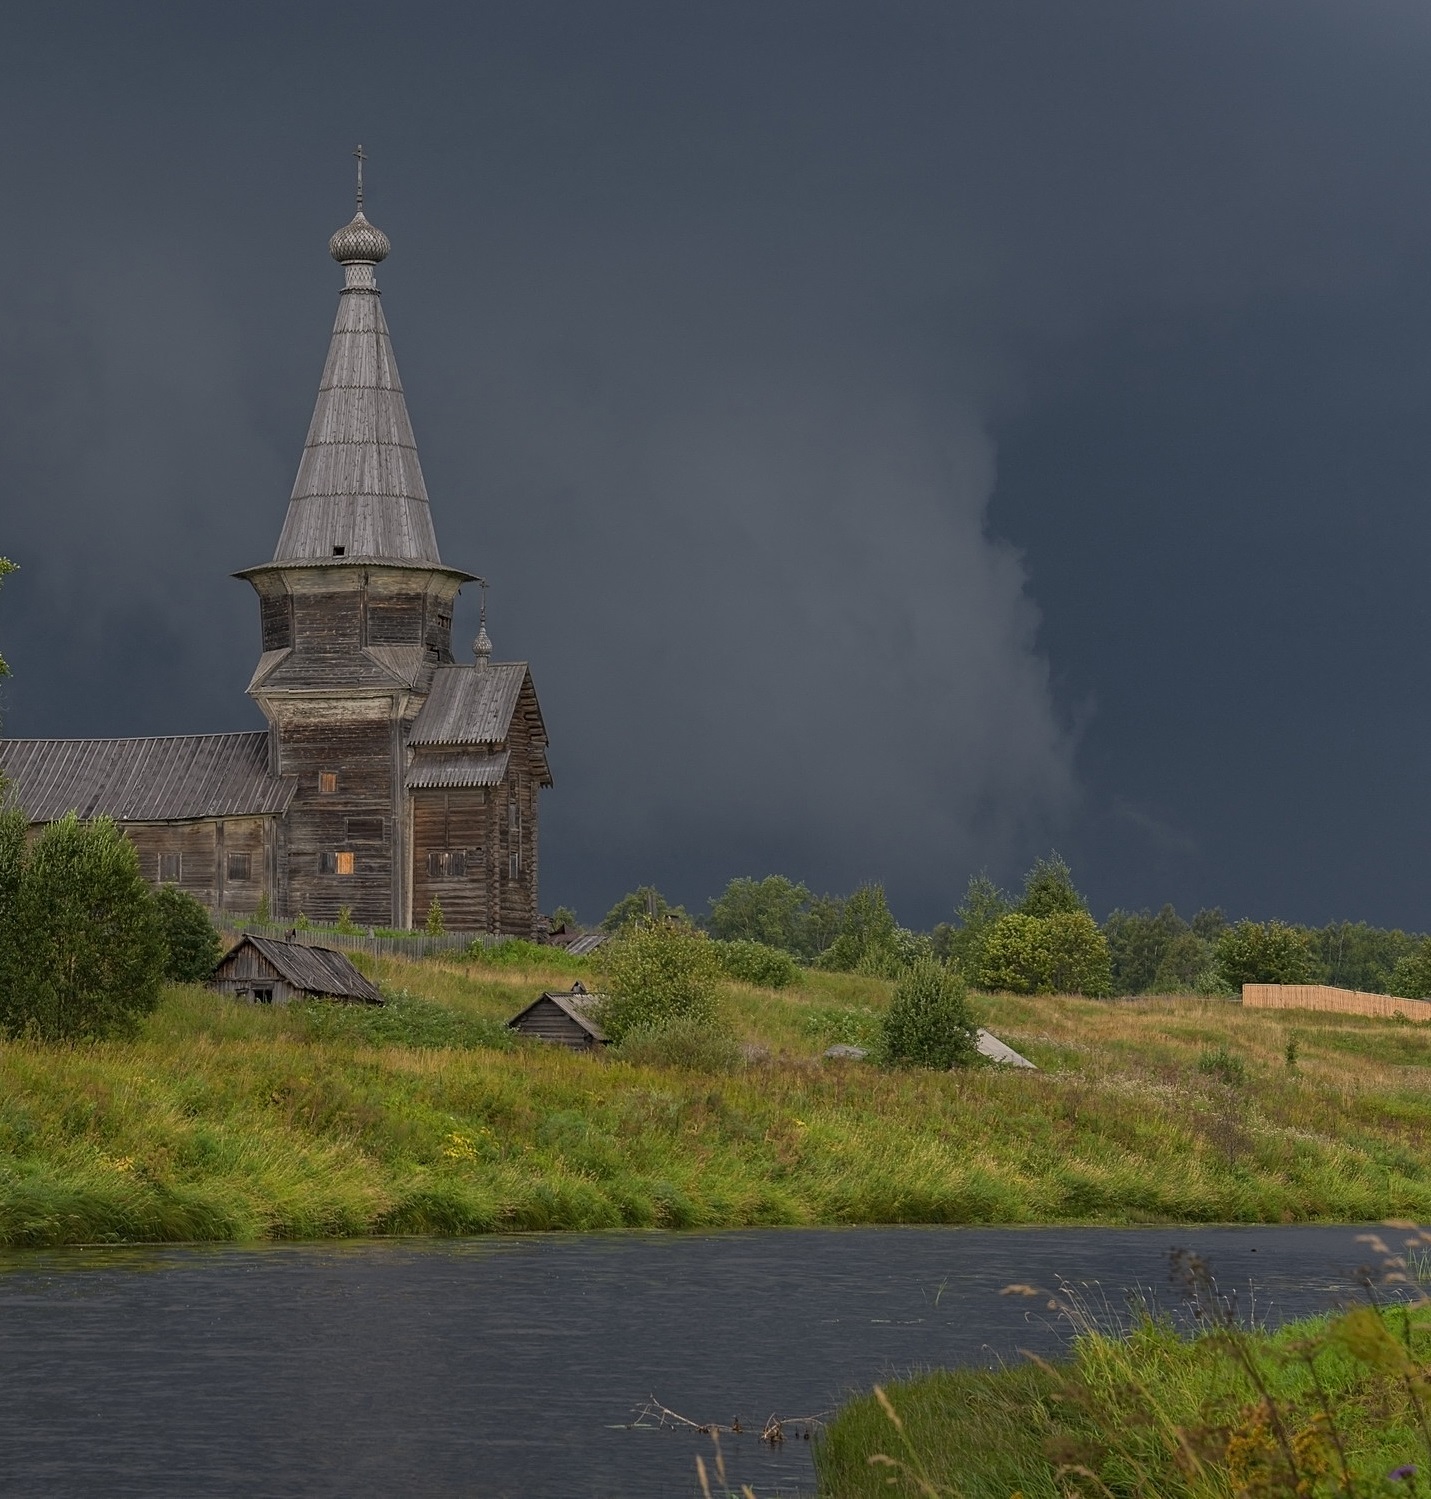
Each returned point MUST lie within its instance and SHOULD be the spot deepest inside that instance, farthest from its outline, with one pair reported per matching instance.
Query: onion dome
(359, 243)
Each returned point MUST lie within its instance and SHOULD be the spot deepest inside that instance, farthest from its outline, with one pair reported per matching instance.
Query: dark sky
(901, 436)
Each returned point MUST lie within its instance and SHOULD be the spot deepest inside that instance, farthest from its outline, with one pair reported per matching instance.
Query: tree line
(1044, 940)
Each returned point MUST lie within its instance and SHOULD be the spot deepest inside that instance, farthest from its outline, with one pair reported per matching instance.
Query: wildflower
(1401, 1474)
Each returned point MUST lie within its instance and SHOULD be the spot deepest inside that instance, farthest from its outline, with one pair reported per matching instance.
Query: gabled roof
(469, 704)
(359, 483)
(177, 778)
(316, 970)
(572, 1006)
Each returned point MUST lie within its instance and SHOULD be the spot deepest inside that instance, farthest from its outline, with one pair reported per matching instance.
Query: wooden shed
(563, 1019)
(265, 971)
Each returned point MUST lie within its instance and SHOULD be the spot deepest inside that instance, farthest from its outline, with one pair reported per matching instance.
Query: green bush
(1227, 1066)
(687, 1044)
(1064, 953)
(756, 963)
(517, 952)
(645, 903)
(85, 949)
(963, 941)
(927, 1023)
(658, 973)
(1267, 952)
(1049, 889)
(190, 937)
(1411, 978)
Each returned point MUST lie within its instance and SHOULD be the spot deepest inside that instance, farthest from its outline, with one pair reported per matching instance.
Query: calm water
(500, 1367)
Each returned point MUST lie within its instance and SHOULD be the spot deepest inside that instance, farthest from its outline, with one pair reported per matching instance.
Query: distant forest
(1044, 940)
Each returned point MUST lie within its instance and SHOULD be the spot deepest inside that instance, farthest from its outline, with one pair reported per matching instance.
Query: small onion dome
(359, 241)
(482, 646)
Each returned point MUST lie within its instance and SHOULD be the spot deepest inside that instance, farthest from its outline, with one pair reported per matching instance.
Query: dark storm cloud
(722, 327)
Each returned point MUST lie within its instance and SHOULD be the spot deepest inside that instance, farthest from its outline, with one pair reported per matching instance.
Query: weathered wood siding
(352, 741)
(244, 970)
(447, 822)
(547, 1022)
(227, 863)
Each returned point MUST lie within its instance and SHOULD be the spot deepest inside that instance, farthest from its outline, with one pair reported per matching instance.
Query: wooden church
(390, 774)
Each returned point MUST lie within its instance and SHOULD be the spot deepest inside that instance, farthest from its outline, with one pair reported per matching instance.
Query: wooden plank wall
(444, 821)
(202, 849)
(1324, 997)
(358, 751)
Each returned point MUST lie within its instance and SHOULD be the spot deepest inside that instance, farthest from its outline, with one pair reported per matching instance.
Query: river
(517, 1366)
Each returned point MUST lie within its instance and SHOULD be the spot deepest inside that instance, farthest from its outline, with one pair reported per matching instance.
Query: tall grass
(1333, 1406)
(222, 1121)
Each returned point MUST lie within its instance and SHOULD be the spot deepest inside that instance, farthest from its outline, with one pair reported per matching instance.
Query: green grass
(221, 1121)
(1152, 1413)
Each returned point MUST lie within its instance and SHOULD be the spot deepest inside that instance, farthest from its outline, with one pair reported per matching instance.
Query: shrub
(1411, 978)
(435, 925)
(1060, 954)
(927, 1023)
(656, 974)
(517, 952)
(1228, 1067)
(1269, 952)
(86, 947)
(190, 937)
(691, 1045)
(756, 963)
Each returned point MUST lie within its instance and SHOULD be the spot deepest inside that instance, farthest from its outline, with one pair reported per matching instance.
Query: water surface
(515, 1366)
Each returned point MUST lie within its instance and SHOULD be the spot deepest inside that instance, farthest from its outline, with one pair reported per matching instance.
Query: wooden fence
(409, 945)
(1324, 997)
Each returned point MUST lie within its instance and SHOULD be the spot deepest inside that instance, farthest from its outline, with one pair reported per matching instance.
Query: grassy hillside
(224, 1122)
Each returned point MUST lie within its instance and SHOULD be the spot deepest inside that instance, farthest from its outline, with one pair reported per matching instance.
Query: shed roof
(573, 1006)
(176, 778)
(316, 970)
(470, 704)
(465, 769)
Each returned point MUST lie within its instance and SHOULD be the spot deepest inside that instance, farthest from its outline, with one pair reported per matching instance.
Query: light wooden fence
(1324, 997)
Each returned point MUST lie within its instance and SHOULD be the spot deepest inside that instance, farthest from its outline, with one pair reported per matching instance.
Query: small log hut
(562, 1019)
(265, 971)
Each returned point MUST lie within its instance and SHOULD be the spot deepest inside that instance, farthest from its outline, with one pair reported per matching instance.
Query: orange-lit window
(345, 863)
(327, 782)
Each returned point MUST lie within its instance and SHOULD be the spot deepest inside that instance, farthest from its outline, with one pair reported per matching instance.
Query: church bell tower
(356, 612)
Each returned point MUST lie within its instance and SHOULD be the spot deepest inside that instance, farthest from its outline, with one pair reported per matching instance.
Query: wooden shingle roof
(464, 769)
(469, 704)
(359, 484)
(316, 970)
(573, 1006)
(176, 778)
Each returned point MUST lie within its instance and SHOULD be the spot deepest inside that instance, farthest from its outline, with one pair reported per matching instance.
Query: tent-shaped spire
(359, 492)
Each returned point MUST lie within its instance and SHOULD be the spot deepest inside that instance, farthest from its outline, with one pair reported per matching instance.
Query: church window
(345, 863)
(327, 782)
(365, 830)
(171, 868)
(447, 864)
(335, 863)
(514, 864)
(514, 817)
(339, 551)
(240, 867)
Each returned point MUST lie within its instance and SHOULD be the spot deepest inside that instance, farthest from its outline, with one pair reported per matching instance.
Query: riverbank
(1326, 1406)
(221, 1122)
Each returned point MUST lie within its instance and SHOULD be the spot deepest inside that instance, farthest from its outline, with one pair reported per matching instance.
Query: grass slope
(225, 1122)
